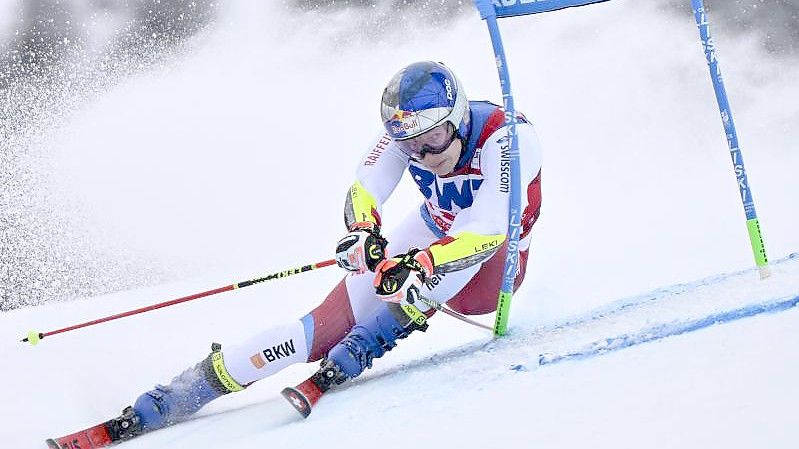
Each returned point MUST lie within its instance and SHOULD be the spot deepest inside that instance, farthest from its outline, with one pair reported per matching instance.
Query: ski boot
(355, 352)
(187, 393)
(160, 407)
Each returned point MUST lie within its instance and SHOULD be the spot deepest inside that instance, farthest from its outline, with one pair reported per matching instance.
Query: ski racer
(450, 250)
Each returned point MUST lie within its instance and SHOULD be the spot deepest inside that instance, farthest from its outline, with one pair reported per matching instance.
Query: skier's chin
(444, 167)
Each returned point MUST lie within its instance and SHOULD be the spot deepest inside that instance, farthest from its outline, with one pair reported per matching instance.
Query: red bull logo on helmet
(403, 123)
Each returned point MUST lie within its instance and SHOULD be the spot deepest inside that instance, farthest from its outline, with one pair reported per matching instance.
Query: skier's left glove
(400, 279)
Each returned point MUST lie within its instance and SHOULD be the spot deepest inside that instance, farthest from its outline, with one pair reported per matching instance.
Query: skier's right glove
(361, 249)
(401, 278)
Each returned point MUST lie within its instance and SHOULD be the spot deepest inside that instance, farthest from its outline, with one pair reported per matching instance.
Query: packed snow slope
(697, 383)
(233, 162)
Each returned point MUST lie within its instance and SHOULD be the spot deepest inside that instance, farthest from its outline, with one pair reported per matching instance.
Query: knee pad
(186, 393)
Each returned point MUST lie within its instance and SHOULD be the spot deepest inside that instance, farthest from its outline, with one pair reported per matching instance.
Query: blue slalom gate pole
(752, 222)
(490, 11)
(489, 14)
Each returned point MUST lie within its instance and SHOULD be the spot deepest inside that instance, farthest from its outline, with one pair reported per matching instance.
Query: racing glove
(400, 279)
(361, 249)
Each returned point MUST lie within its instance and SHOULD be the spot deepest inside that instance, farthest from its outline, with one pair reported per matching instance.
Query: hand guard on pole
(401, 278)
(361, 249)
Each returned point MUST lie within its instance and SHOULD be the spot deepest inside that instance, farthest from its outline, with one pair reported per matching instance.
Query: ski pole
(454, 314)
(34, 337)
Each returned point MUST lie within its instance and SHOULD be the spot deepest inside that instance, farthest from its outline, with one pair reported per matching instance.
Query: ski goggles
(433, 141)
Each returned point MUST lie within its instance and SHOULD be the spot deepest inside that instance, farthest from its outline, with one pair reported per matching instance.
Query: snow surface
(234, 163)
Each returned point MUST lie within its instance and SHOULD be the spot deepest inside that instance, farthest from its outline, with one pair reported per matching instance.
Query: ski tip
(298, 400)
(51, 444)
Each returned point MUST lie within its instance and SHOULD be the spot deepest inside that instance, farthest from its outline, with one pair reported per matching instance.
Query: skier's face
(443, 163)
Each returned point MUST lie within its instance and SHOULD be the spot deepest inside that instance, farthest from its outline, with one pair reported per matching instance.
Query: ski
(91, 438)
(105, 434)
(303, 397)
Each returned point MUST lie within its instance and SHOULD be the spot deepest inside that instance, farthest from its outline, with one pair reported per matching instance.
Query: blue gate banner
(510, 8)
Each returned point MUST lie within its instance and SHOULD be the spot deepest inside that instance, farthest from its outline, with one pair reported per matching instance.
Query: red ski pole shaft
(34, 337)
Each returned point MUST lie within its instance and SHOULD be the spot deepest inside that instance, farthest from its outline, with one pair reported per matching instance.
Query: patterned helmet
(422, 96)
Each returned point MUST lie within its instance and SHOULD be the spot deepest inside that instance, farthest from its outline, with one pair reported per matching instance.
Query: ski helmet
(421, 97)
